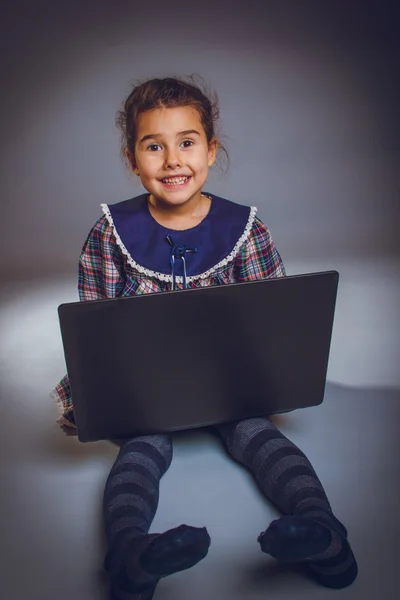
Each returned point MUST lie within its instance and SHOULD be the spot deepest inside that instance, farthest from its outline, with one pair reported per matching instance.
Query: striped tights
(307, 532)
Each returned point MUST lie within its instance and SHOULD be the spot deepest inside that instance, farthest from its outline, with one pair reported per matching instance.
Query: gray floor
(52, 542)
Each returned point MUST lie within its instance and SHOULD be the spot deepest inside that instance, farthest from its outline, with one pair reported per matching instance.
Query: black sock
(175, 550)
(323, 549)
(293, 538)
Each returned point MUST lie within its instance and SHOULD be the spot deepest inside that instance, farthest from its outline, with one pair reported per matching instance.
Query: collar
(218, 238)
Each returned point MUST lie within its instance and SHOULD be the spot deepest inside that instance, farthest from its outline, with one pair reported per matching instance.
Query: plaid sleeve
(101, 275)
(101, 272)
(259, 259)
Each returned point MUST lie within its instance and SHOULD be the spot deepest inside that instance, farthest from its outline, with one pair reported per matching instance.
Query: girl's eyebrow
(151, 136)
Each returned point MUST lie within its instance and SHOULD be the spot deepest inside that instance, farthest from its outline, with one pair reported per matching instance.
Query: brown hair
(170, 92)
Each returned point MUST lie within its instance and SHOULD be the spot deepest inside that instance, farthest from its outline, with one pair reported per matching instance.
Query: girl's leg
(310, 532)
(136, 560)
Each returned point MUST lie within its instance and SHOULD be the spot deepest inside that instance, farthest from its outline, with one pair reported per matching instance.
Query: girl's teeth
(175, 180)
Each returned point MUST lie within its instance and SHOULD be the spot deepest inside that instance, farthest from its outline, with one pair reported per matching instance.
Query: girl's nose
(172, 160)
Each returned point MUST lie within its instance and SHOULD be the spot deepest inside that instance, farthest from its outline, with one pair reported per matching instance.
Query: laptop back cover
(192, 358)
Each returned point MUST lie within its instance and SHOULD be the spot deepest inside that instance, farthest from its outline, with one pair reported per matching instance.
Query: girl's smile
(176, 182)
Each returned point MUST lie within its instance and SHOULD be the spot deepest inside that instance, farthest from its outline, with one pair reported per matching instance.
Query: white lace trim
(59, 405)
(179, 278)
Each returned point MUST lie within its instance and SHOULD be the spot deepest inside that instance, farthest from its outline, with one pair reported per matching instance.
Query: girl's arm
(101, 271)
(101, 275)
(259, 258)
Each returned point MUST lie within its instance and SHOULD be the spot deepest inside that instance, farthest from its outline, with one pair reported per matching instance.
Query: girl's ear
(131, 160)
(212, 151)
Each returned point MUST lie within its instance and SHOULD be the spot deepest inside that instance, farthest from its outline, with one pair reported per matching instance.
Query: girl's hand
(68, 430)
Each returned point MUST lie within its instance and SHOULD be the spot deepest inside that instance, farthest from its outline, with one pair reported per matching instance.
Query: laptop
(198, 357)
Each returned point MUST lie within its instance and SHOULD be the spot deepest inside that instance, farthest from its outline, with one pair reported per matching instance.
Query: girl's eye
(155, 147)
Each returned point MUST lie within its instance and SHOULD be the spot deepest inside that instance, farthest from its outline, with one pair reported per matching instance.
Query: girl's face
(172, 155)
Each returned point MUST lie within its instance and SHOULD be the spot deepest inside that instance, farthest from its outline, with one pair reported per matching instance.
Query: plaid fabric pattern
(105, 273)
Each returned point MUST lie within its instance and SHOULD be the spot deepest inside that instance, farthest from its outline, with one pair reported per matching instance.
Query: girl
(178, 236)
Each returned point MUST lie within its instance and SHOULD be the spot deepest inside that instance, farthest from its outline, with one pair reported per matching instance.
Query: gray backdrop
(309, 95)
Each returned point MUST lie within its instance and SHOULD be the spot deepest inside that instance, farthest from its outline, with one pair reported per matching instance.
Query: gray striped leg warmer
(136, 560)
(308, 532)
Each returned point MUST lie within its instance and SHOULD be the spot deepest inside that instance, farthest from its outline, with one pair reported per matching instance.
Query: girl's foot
(152, 556)
(175, 550)
(320, 543)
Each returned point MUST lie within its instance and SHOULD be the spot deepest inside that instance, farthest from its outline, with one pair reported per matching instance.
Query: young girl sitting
(176, 235)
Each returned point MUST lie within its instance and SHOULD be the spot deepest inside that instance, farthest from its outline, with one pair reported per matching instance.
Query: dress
(127, 252)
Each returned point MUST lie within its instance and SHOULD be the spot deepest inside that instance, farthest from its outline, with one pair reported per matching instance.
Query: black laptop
(192, 358)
